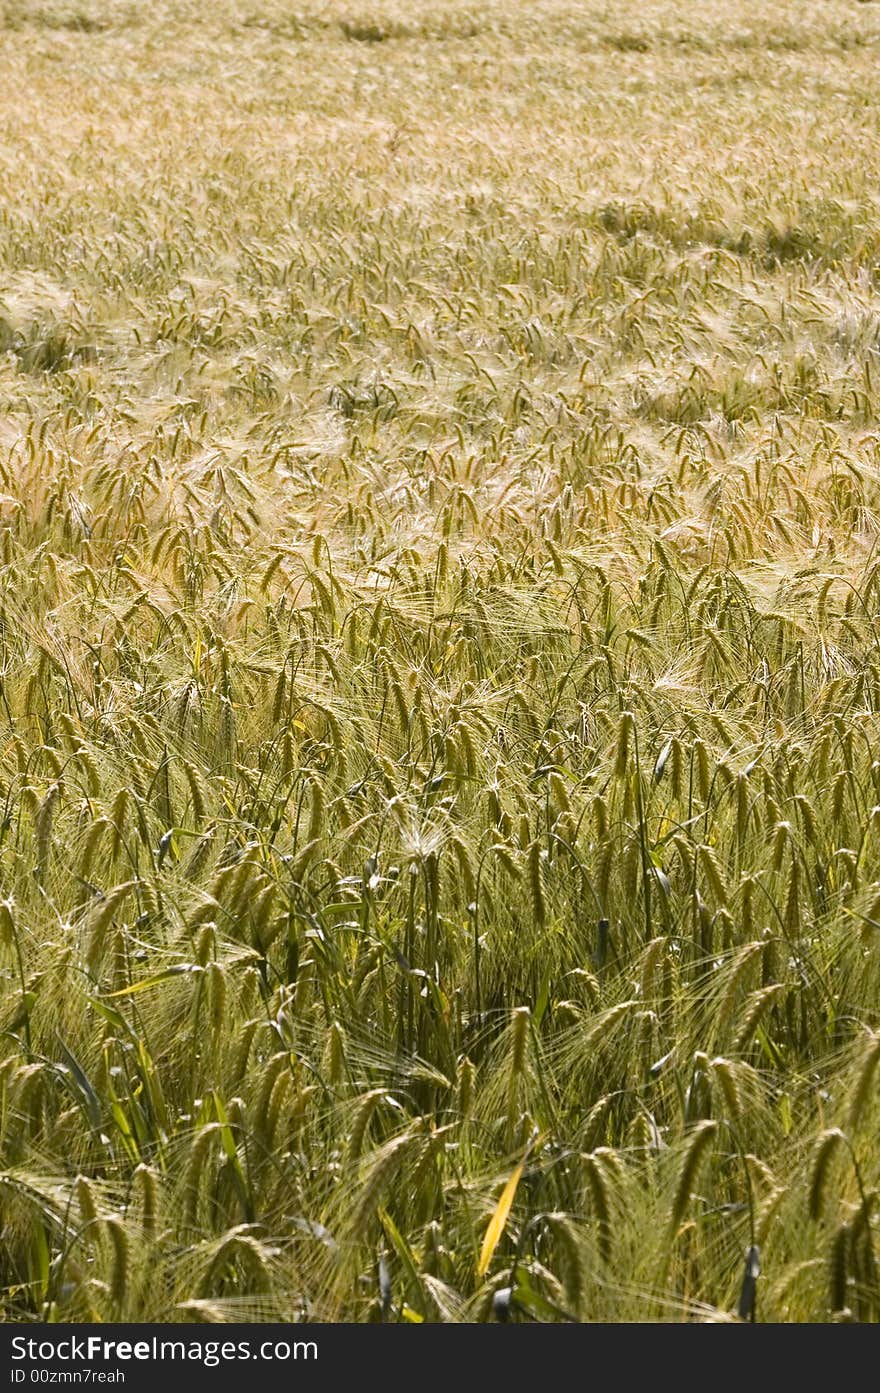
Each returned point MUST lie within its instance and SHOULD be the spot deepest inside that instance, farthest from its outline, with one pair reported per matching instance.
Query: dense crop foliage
(439, 660)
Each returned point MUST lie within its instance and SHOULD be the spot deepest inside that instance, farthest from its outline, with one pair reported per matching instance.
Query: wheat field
(439, 660)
